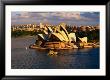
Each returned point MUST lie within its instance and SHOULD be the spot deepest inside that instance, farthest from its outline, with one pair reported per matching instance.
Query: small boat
(51, 52)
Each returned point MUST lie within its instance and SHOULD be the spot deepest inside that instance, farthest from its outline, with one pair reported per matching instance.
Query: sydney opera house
(59, 38)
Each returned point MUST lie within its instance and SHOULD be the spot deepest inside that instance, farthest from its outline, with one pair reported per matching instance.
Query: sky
(55, 18)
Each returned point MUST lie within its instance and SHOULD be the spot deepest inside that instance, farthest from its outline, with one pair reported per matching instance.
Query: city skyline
(77, 18)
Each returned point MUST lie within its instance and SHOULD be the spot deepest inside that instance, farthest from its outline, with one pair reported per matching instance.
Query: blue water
(22, 58)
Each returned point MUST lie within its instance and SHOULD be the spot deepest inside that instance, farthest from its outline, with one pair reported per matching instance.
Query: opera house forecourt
(59, 38)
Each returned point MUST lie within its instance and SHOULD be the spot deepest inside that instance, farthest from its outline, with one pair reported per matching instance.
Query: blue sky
(71, 18)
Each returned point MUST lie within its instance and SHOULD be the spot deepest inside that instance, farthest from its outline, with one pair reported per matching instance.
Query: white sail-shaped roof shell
(84, 39)
(59, 36)
(50, 29)
(64, 35)
(44, 37)
(65, 31)
(72, 37)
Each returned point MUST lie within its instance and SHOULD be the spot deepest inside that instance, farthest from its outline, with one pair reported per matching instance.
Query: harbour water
(24, 58)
